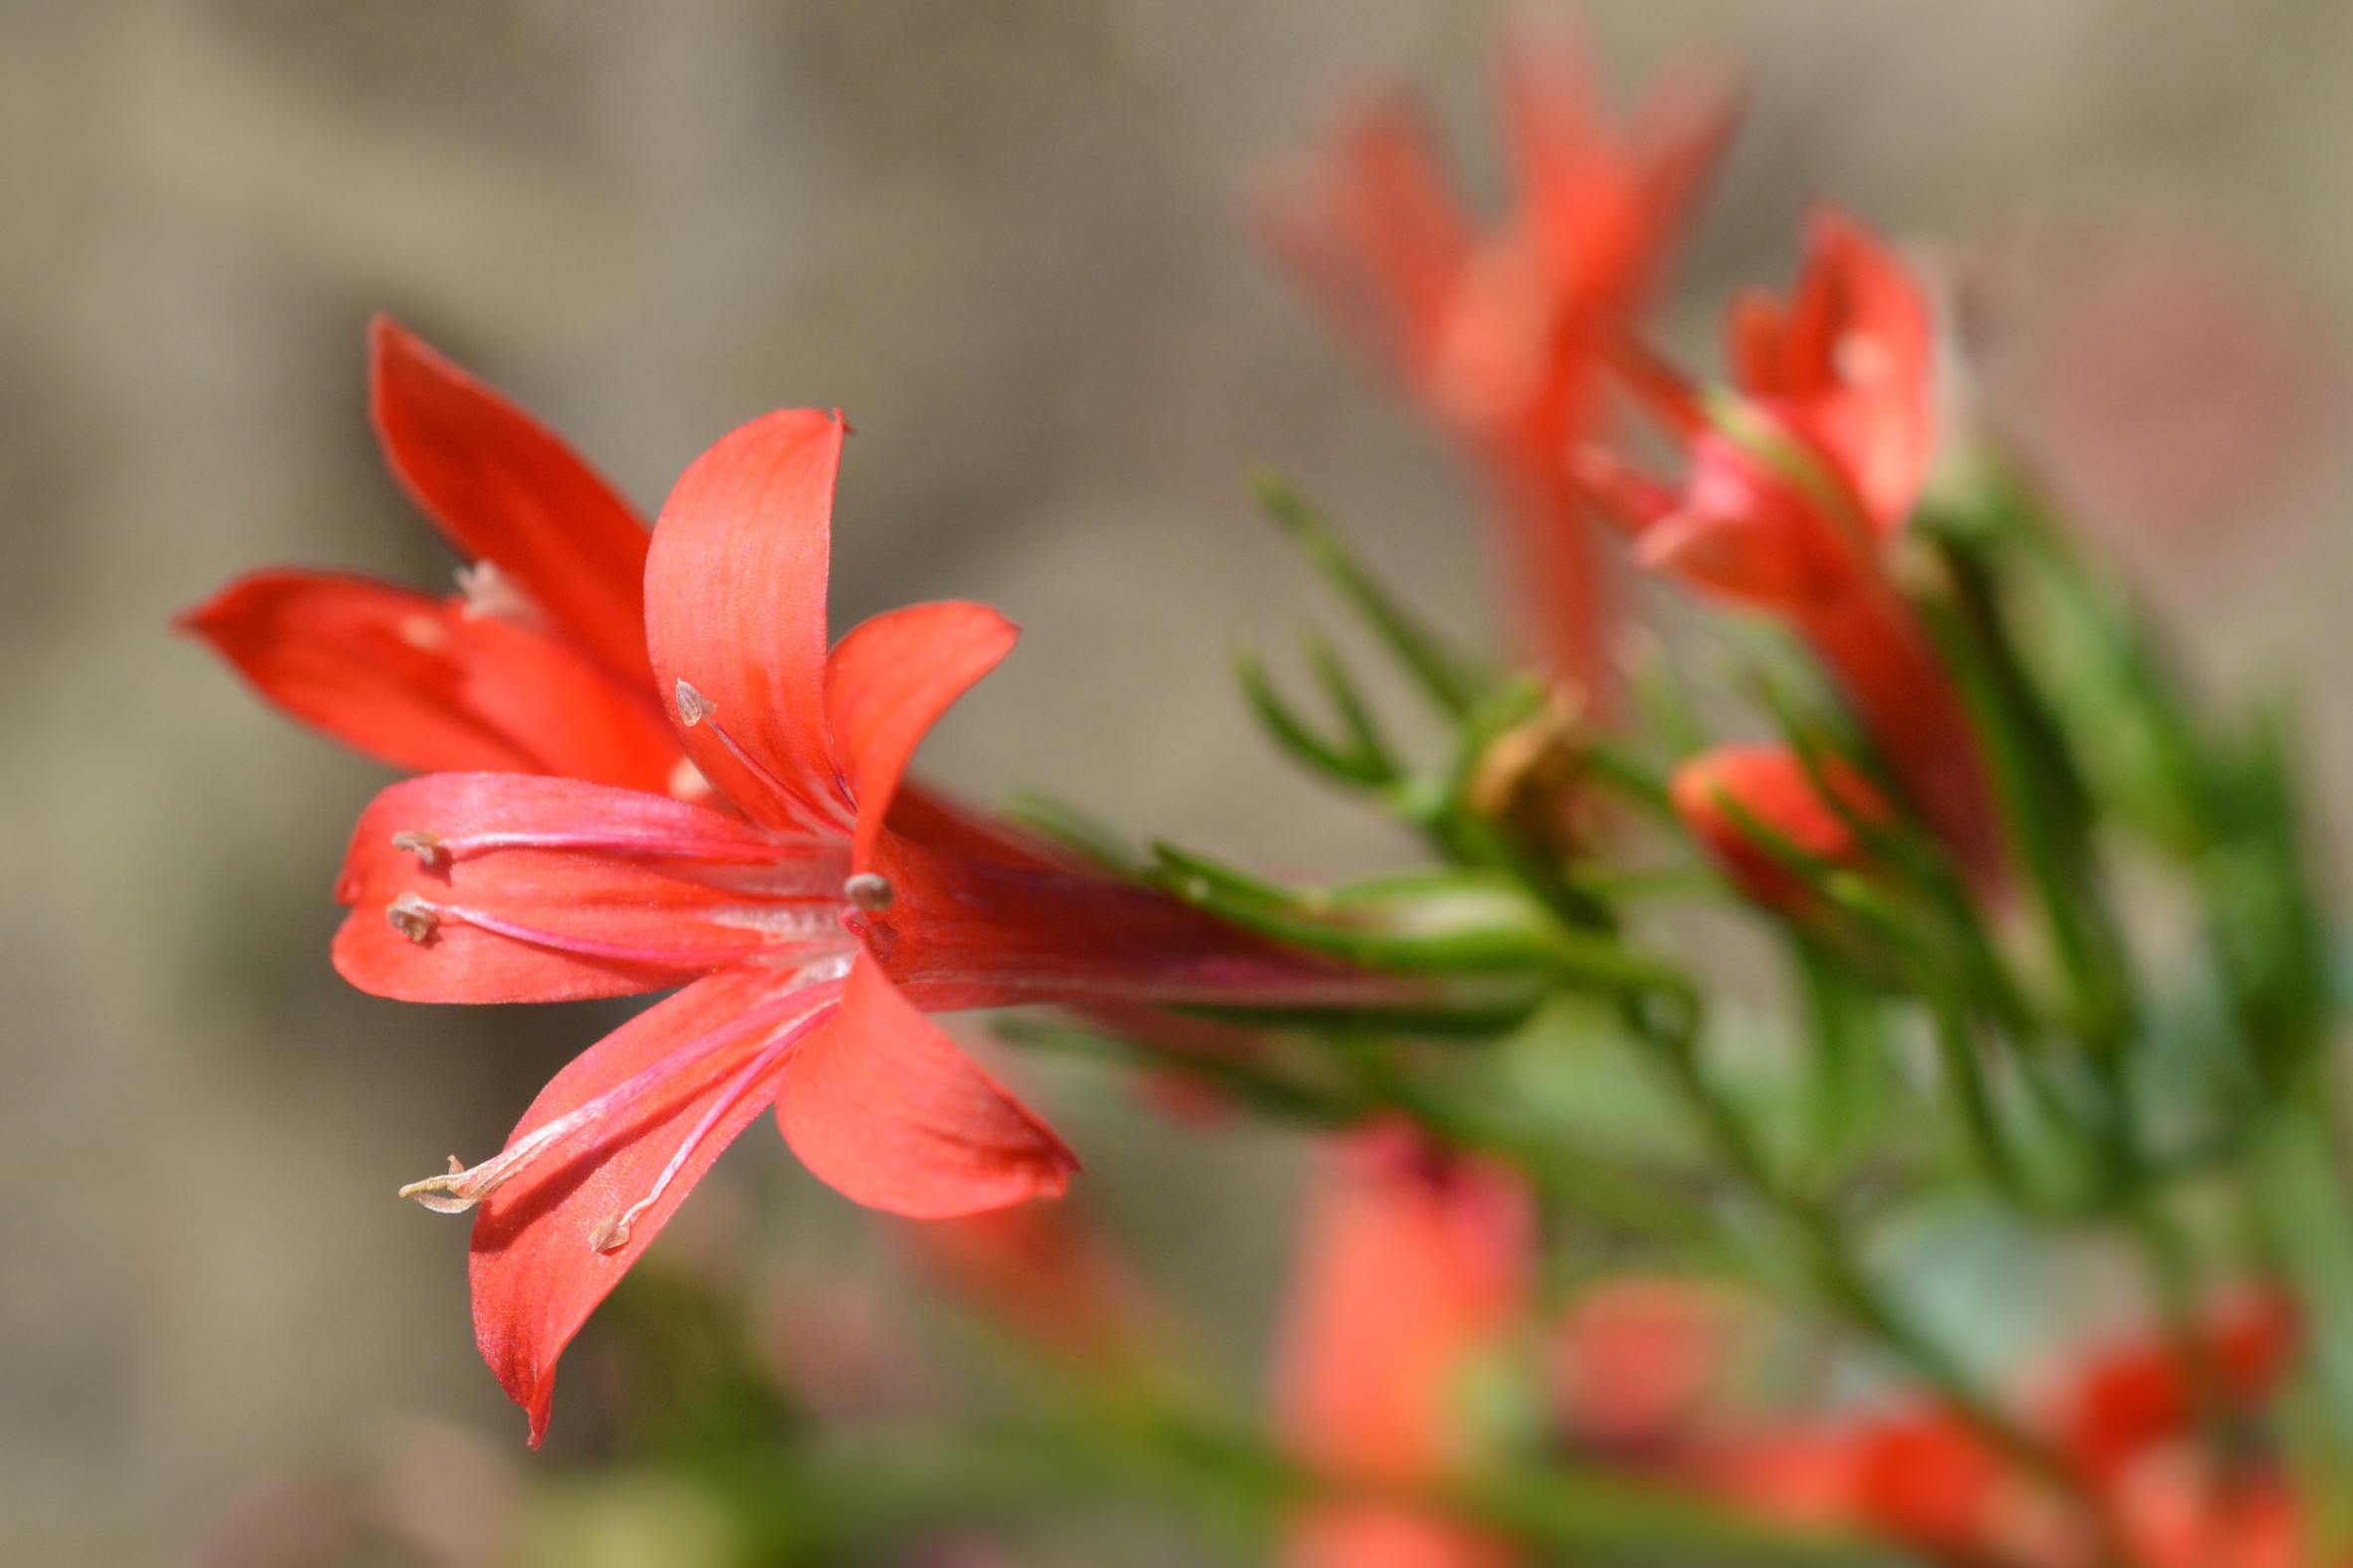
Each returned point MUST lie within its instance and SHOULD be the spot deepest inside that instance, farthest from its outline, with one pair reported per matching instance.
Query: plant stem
(1848, 1289)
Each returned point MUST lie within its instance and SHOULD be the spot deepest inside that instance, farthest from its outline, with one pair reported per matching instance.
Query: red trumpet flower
(1499, 335)
(809, 924)
(1770, 787)
(1796, 482)
(538, 665)
(1415, 1262)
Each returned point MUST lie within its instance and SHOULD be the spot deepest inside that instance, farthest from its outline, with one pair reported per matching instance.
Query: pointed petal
(1367, 225)
(1851, 362)
(505, 488)
(883, 1108)
(1571, 172)
(537, 1271)
(1758, 335)
(415, 681)
(1882, 354)
(501, 887)
(736, 614)
(888, 682)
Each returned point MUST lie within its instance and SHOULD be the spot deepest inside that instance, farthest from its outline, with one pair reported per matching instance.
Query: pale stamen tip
(425, 846)
(441, 1192)
(611, 1235)
(693, 706)
(413, 918)
(869, 891)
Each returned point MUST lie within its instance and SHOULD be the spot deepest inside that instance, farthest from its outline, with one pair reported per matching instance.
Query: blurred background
(1005, 238)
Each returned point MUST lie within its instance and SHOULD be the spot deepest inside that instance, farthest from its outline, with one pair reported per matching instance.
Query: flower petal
(888, 682)
(505, 488)
(1369, 227)
(735, 613)
(502, 887)
(537, 1269)
(885, 1109)
(1414, 1262)
(1851, 357)
(415, 681)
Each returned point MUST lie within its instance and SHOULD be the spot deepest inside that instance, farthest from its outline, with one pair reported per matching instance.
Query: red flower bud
(1726, 795)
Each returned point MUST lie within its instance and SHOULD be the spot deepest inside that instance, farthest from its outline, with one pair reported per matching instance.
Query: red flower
(2125, 1421)
(808, 926)
(537, 666)
(1498, 335)
(1634, 1362)
(1771, 787)
(1794, 486)
(2134, 1398)
(1415, 1262)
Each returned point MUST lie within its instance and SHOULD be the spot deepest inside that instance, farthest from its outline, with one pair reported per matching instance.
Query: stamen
(869, 891)
(613, 1233)
(732, 850)
(463, 1187)
(694, 708)
(585, 947)
(491, 594)
(425, 846)
(413, 918)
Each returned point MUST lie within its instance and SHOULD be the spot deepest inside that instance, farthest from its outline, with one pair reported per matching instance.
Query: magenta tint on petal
(503, 887)
(994, 928)
(735, 615)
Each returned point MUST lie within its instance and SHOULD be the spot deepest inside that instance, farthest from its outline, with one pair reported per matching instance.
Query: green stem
(1848, 1289)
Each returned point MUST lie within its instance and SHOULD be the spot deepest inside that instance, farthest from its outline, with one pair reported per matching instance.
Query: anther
(693, 706)
(869, 891)
(425, 846)
(413, 918)
(490, 595)
(611, 1235)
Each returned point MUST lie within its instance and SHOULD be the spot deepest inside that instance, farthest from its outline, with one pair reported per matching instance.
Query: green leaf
(1452, 681)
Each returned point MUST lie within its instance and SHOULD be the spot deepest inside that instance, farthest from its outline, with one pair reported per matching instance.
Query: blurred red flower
(2124, 1420)
(1414, 1262)
(1796, 481)
(1498, 334)
(1635, 1360)
(1770, 787)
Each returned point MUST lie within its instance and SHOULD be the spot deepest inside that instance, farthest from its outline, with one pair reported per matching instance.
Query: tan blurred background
(1002, 237)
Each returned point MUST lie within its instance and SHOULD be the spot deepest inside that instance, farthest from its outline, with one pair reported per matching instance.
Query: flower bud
(1736, 799)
